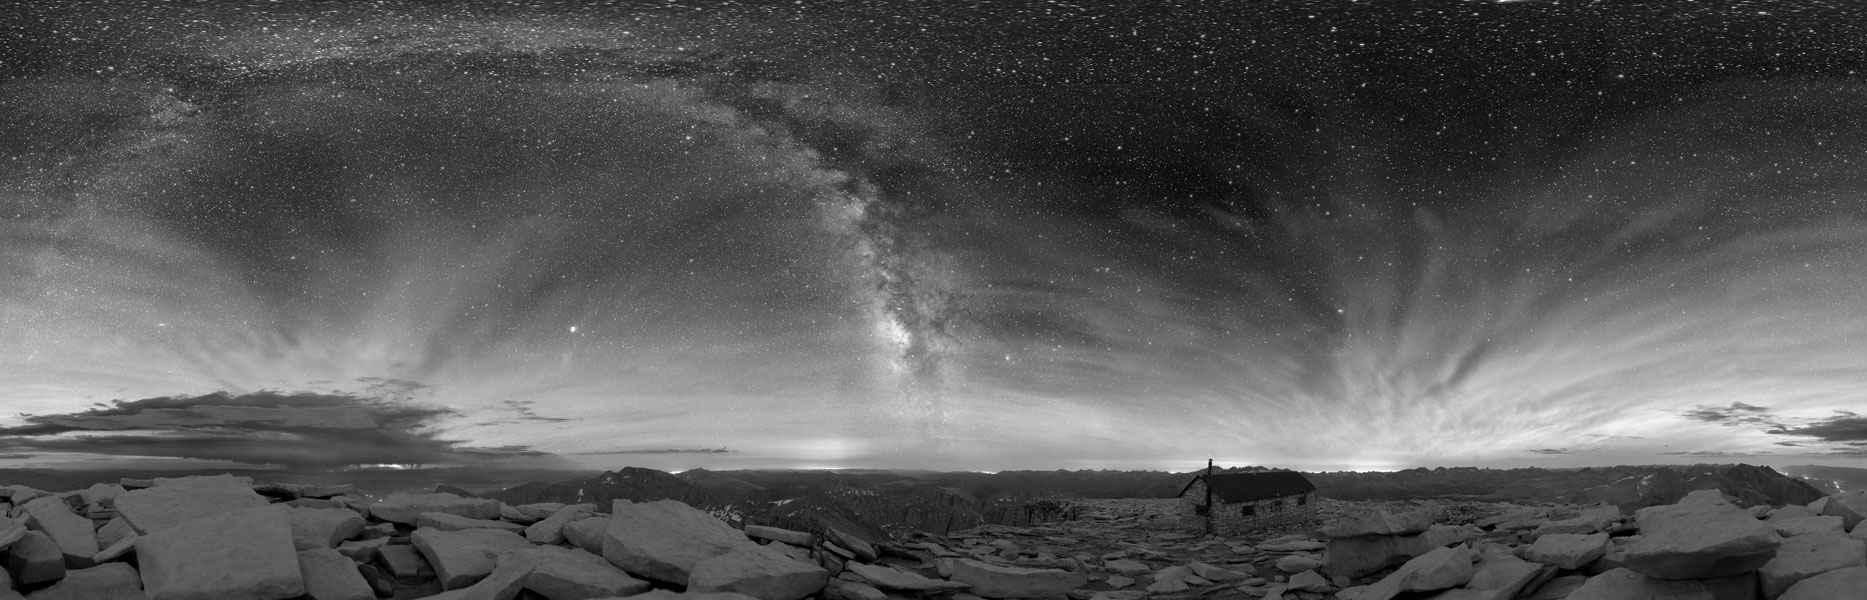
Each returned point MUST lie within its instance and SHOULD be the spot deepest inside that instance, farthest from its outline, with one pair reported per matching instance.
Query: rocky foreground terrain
(228, 538)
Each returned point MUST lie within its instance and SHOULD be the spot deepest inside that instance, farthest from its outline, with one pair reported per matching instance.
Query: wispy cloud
(1552, 451)
(296, 428)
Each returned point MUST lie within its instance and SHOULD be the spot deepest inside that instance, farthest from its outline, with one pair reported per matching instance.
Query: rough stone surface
(453, 522)
(163, 507)
(332, 576)
(242, 555)
(1850, 506)
(1209, 572)
(1625, 584)
(841, 589)
(101, 494)
(363, 551)
(1839, 584)
(1806, 556)
(1701, 537)
(324, 527)
(667, 595)
(73, 534)
(587, 533)
(550, 530)
(890, 578)
(999, 581)
(503, 583)
(35, 558)
(1808, 525)
(403, 561)
(1358, 556)
(114, 581)
(796, 538)
(665, 539)
(407, 508)
(1380, 522)
(1439, 569)
(571, 574)
(1567, 550)
(1127, 566)
(115, 551)
(757, 572)
(463, 557)
(1297, 563)
(1499, 572)
(1790, 512)
(113, 531)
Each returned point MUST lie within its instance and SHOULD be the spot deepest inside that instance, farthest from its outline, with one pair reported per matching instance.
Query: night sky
(1307, 234)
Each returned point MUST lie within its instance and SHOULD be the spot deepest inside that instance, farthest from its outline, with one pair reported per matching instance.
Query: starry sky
(1319, 234)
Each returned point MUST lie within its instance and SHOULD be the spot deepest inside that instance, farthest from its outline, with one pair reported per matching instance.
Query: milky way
(1026, 235)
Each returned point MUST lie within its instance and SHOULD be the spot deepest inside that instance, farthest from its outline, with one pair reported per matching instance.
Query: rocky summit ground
(229, 538)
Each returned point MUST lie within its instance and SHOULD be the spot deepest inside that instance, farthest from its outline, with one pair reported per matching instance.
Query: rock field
(226, 538)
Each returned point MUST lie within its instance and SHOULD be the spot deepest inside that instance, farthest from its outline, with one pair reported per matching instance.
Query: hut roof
(1245, 487)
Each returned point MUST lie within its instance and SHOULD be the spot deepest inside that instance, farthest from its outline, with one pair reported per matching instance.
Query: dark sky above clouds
(1321, 234)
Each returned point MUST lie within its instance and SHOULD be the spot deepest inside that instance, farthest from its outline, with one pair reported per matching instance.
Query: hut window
(1201, 509)
(1248, 510)
(1302, 500)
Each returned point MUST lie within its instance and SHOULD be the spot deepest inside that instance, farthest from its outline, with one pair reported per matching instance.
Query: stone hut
(1227, 503)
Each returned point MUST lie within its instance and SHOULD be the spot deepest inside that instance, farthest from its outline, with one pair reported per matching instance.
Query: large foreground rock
(35, 558)
(587, 533)
(407, 508)
(1624, 584)
(570, 574)
(163, 507)
(461, 558)
(242, 555)
(1806, 556)
(324, 527)
(1568, 550)
(1503, 575)
(114, 581)
(758, 572)
(999, 581)
(74, 534)
(550, 530)
(1701, 537)
(1439, 569)
(1850, 506)
(1849, 583)
(1358, 556)
(666, 539)
(332, 576)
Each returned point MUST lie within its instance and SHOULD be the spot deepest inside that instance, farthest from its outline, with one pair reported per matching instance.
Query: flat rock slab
(1806, 556)
(1358, 556)
(404, 561)
(241, 555)
(332, 576)
(800, 539)
(1832, 585)
(1701, 537)
(113, 531)
(324, 527)
(1807, 525)
(667, 595)
(1624, 584)
(757, 572)
(550, 530)
(461, 558)
(452, 522)
(407, 508)
(587, 533)
(890, 578)
(101, 494)
(503, 583)
(571, 574)
(1567, 550)
(114, 581)
(664, 540)
(999, 581)
(1439, 569)
(161, 507)
(73, 534)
